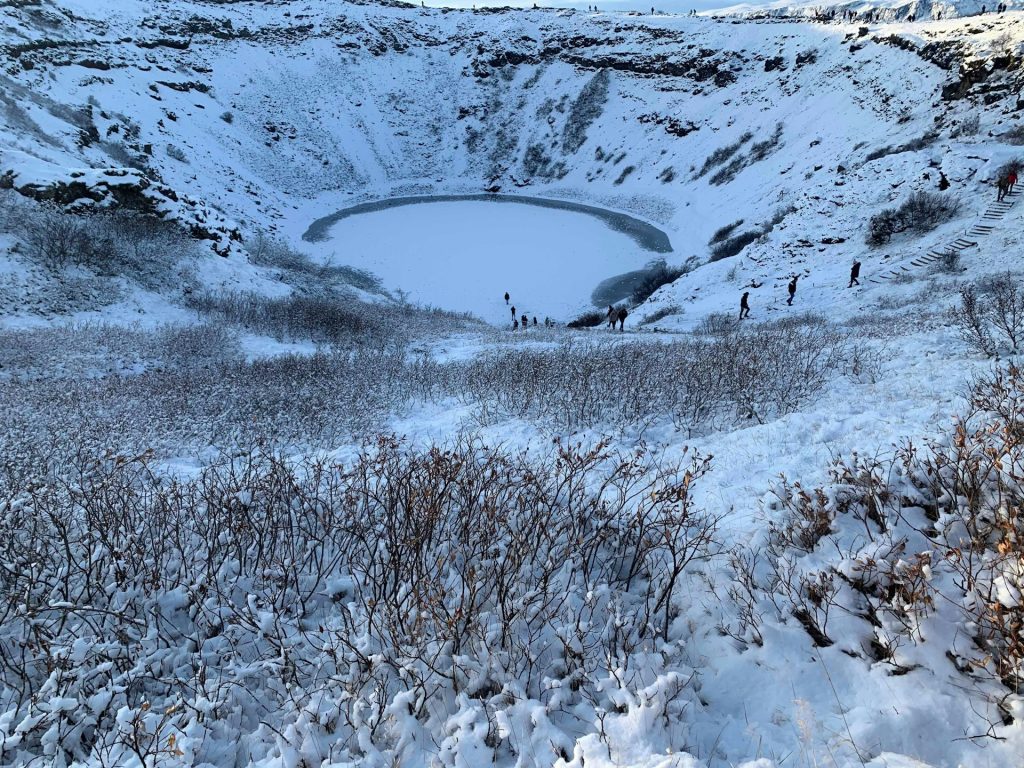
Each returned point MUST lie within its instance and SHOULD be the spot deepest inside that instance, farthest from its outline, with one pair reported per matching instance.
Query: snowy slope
(329, 108)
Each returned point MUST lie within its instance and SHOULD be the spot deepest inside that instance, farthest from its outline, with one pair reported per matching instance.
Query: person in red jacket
(1011, 179)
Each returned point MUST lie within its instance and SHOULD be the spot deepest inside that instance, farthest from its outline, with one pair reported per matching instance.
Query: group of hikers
(617, 315)
(1005, 185)
(745, 299)
(524, 321)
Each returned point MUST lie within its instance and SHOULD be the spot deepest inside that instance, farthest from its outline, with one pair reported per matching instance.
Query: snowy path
(983, 228)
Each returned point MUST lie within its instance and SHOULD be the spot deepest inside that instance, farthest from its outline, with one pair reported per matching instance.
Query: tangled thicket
(482, 602)
(186, 389)
(990, 316)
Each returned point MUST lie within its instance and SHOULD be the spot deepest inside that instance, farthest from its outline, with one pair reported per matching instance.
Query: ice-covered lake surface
(464, 252)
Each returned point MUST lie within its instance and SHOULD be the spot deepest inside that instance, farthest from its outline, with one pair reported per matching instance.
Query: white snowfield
(269, 116)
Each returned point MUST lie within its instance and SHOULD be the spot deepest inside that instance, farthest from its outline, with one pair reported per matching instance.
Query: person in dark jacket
(611, 317)
(854, 274)
(792, 289)
(506, 297)
(745, 305)
(623, 314)
(526, 321)
(513, 313)
(534, 321)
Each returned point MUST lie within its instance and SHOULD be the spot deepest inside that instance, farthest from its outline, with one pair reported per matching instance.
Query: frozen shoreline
(646, 235)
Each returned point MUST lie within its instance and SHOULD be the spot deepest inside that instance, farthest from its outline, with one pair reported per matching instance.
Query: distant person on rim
(526, 321)
(745, 305)
(792, 289)
(506, 297)
(854, 274)
(513, 312)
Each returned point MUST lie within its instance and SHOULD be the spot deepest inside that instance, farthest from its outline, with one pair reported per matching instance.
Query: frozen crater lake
(463, 252)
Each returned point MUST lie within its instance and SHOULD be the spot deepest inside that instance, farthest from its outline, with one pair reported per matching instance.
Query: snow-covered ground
(244, 117)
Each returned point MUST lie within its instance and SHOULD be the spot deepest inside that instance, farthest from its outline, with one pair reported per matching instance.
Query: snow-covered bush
(183, 388)
(914, 145)
(299, 270)
(52, 237)
(750, 374)
(1016, 165)
(723, 154)
(724, 243)
(990, 316)
(177, 153)
(920, 212)
(732, 245)
(653, 279)
(968, 126)
(759, 150)
(462, 596)
(586, 108)
(930, 550)
(327, 317)
(724, 232)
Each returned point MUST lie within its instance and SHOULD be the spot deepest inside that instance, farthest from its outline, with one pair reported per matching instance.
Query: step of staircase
(963, 243)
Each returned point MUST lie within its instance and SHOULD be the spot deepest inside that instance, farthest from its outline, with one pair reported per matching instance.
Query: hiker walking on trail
(745, 305)
(792, 289)
(611, 317)
(854, 274)
(1002, 184)
(622, 319)
(1011, 181)
(526, 321)
(506, 297)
